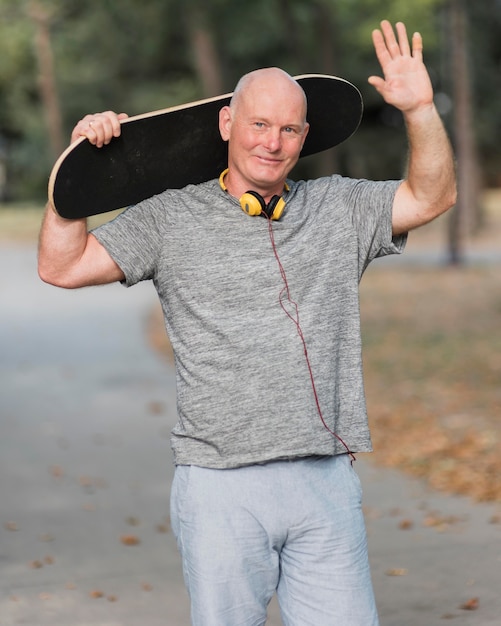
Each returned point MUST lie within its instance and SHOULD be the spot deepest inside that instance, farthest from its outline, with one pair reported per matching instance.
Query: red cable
(285, 295)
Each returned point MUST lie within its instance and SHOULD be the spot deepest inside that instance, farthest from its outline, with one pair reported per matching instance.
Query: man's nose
(273, 139)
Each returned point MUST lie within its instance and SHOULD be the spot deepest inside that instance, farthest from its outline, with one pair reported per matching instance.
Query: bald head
(269, 80)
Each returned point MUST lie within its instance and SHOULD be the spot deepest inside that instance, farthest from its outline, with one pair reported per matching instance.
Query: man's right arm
(68, 255)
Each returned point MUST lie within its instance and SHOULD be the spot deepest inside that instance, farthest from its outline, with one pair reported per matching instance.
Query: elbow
(446, 202)
(49, 278)
(56, 279)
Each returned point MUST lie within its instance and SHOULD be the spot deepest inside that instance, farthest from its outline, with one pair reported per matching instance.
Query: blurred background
(61, 59)
(86, 407)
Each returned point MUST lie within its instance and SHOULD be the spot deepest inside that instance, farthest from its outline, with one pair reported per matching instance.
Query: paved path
(85, 464)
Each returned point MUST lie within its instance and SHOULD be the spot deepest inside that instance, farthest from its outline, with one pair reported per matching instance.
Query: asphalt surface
(86, 408)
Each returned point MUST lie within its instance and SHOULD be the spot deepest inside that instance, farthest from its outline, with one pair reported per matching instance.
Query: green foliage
(135, 57)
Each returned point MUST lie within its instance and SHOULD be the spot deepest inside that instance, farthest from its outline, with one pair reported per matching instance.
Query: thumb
(377, 82)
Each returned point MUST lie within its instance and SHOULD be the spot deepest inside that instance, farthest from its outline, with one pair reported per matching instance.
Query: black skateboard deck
(174, 147)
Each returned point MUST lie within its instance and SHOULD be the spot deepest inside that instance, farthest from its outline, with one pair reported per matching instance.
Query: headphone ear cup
(275, 208)
(252, 203)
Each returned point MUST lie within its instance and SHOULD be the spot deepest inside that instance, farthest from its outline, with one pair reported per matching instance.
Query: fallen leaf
(156, 407)
(56, 471)
(397, 571)
(406, 524)
(162, 528)
(471, 605)
(130, 540)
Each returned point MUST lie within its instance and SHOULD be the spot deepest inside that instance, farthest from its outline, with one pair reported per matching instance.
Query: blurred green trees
(60, 59)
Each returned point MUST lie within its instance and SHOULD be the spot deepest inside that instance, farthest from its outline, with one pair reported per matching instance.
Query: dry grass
(21, 222)
(432, 358)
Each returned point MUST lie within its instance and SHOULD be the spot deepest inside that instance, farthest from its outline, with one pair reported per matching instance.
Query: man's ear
(225, 122)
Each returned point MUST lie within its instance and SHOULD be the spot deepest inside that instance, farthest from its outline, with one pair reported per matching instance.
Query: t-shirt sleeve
(133, 240)
(371, 204)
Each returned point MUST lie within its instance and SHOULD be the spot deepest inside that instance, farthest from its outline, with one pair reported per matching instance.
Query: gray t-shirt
(245, 389)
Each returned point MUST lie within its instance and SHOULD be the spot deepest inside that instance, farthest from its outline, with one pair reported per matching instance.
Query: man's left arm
(429, 188)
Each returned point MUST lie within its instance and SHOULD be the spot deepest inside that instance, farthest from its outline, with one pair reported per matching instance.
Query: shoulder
(322, 186)
(324, 192)
(345, 189)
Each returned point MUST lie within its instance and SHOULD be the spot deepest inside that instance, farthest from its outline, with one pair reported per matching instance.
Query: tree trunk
(205, 56)
(46, 78)
(325, 26)
(467, 210)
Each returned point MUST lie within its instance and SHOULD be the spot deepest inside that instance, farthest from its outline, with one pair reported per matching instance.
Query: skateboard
(181, 145)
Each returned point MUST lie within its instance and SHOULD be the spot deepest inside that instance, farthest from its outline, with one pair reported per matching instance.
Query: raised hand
(406, 83)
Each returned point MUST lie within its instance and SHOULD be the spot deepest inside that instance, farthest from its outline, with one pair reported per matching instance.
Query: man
(263, 319)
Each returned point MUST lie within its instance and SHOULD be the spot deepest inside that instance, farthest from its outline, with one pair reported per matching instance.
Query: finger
(380, 48)
(390, 40)
(111, 123)
(377, 82)
(95, 132)
(104, 125)
(417, 46)
(83, 129)
(403, 39)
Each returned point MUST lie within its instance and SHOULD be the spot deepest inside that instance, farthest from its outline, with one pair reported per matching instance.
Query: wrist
(422, 114)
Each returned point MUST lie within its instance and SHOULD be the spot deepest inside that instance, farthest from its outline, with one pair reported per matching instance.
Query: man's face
(266, 130)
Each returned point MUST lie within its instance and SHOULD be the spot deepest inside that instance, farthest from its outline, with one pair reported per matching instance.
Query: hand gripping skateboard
(174, 147)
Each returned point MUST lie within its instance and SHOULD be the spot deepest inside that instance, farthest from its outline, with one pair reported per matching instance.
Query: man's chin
(269, 176)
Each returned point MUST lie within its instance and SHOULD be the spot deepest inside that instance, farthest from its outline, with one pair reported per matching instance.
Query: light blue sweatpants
(295, 527)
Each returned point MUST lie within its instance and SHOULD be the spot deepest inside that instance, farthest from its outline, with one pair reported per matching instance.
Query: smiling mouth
(268, 160)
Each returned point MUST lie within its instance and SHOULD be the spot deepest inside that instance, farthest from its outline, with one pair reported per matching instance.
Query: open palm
(406, 83)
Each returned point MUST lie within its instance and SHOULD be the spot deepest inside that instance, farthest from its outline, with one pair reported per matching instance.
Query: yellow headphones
(254, 204)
